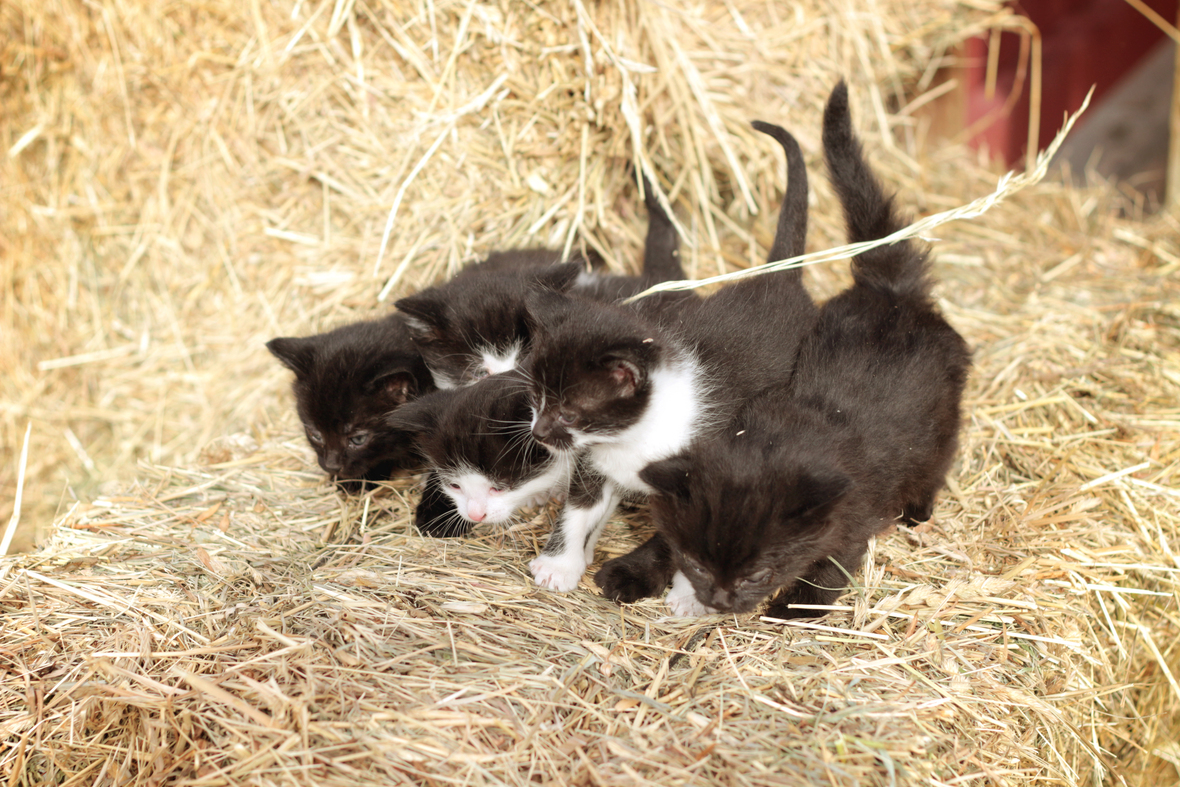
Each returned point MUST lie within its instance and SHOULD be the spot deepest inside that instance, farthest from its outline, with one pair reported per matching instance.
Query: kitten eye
(480, 373)
(566, 419)
(454, 486)
(496, 489)
(756, 578)
(314, 435)
(357, 440)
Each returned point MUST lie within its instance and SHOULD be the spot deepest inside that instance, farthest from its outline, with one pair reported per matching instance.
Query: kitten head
(474, 325)
(748, 513)
(589, 369)
(346, 382)
(477, 440)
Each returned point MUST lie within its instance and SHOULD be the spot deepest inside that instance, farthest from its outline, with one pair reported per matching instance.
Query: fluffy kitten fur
(483, 459)
(786, 498)
(347, 380)
(628, 388)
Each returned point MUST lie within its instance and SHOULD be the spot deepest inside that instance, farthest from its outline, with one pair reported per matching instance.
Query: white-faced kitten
(627, 390)
(784, 501)
(483, 459)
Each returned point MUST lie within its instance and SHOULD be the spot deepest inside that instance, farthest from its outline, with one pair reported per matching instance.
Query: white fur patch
(580, 529)
(682, 598)
(557, 572)
(475, 494)
(500, 360)
(675, 413)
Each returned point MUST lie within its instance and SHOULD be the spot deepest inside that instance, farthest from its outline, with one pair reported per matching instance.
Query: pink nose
(476, 512)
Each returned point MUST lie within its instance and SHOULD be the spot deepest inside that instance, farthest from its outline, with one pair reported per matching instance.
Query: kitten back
(899, 267)
(791, 235)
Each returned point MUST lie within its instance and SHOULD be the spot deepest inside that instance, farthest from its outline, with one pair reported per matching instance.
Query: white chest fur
(675, 413)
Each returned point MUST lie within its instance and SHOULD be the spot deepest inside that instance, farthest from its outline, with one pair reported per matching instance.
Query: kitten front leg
(570, 547)
(682, 598)
(641, 573)
(436, 514)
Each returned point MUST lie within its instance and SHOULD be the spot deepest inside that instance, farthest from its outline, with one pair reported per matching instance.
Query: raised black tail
(661, 249)
(899, 267)
(791, 235)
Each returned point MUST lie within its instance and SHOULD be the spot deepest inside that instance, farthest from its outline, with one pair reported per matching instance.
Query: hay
(181, 183)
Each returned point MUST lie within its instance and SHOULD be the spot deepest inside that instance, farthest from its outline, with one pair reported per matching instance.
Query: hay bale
(184, 182)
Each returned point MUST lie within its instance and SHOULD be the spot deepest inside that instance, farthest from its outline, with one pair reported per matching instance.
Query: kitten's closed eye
(566, 418)
(756, 578)
(313, 434)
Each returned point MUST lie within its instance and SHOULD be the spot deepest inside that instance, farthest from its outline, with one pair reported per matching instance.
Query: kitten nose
(476, 512)
(331, 464)
(721, 599)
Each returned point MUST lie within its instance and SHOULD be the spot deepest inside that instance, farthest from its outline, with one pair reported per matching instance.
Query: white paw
(557, 572)
(682, 598)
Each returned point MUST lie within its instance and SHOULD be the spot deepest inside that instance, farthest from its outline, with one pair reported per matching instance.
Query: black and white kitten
(787, 497)
(483, 459)
(348, 379)
(471, 327)
(625, 390)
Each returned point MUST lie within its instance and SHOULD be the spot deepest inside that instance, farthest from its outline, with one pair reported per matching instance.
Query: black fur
(787, 497)
(346, 382)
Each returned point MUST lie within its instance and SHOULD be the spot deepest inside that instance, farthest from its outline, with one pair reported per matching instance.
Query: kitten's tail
(661, 249)
(899, 267)
(791, 235)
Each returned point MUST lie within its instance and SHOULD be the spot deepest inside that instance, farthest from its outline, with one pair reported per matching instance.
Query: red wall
(1085, 42)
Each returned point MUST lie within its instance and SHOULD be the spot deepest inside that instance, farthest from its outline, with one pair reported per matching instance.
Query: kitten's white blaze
(674, 414)
(476, 499)
(682, 598)
(500, 360)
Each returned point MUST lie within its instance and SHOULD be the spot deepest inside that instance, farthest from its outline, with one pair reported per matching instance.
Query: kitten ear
(419, 416)
(559, 278)
(395, 387)
(626, 375)
(819, 490)
(293, 352)
(426, 316)
(671, 477)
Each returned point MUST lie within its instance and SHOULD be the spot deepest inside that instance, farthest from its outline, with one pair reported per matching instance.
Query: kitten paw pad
(556, 572)
(686, 605)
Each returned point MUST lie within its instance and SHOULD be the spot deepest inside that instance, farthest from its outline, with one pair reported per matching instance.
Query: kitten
(470, 328)
(483, 459)
(348, 379)
(627, 390)
(788, 496)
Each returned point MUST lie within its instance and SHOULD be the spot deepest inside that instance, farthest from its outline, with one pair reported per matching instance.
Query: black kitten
(788, 496)
(470, 328)
(484, 462)
(346, 381)
(627, 390)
